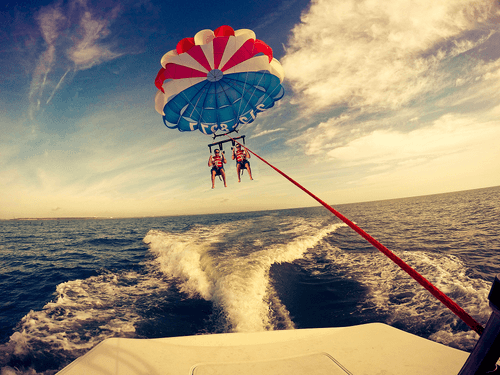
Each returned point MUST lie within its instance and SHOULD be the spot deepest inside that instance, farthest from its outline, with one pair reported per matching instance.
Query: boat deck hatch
(311, 364)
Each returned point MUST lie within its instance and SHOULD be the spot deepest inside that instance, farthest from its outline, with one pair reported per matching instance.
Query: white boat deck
(371, 349)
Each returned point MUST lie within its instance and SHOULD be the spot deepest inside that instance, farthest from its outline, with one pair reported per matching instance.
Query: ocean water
(66, 285)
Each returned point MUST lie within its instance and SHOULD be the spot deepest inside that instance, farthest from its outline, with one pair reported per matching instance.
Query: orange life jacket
(240, 155)
(217, 161)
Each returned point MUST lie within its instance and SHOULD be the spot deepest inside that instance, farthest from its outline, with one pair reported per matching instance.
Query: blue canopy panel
(224, 104)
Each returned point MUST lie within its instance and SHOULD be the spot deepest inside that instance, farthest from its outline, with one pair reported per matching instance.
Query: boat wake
(403, 303)
(233, 275)
(261, 272)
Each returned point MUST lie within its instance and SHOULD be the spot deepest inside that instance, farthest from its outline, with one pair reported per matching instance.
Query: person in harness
(241, 157)
(217, 163)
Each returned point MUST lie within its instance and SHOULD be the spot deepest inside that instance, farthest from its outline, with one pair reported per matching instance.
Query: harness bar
(220, 143)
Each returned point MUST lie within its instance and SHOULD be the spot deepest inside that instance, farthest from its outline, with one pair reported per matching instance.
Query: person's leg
(213, 178)
(247, 164)
(223, 173)
(238, 167)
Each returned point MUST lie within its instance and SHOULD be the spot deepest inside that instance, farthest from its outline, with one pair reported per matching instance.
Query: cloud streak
(266, 132)
(394, 71)
(362, 54)
(74, 38)
(400, 98)
(448, 135)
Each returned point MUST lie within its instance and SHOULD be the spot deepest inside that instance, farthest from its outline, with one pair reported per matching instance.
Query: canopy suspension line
(448, 302)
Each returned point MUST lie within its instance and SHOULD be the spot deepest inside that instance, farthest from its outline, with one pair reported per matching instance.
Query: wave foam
(84, 313)
(234, 278)
(393, 293)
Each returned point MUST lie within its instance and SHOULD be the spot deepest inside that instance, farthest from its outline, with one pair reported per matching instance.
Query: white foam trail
(84, 313)
(180, 255)
(244, 302)
(237, 282)
(394, 293)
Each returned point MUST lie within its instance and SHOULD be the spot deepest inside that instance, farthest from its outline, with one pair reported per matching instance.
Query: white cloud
(362, 53)
(414, 91)
(88, 51)
(81, 42)
(450, 134)
(51, 20)
(321, 137)
(265, 132)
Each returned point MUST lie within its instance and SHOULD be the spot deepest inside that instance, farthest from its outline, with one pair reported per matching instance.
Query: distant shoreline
(59, 218)
(238, 212)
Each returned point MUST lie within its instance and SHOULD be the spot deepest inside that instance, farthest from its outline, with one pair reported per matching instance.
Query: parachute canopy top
(217, 81)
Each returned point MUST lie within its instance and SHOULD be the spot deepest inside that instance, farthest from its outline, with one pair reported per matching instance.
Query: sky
(383, 99)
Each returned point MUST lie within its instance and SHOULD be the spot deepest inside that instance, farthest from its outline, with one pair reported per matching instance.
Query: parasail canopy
(217, 81)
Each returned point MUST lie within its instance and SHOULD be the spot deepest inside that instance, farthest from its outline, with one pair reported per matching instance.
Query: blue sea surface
(68, 284)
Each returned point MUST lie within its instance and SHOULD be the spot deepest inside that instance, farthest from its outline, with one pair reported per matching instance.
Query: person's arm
(224, 158)
(247, 153)
(210, 162)
(233, 155)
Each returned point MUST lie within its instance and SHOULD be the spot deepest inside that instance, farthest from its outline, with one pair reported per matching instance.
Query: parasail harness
(219, 144)
(233, 142)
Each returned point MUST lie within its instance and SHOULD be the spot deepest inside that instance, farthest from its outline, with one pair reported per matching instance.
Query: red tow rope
(457, 310)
